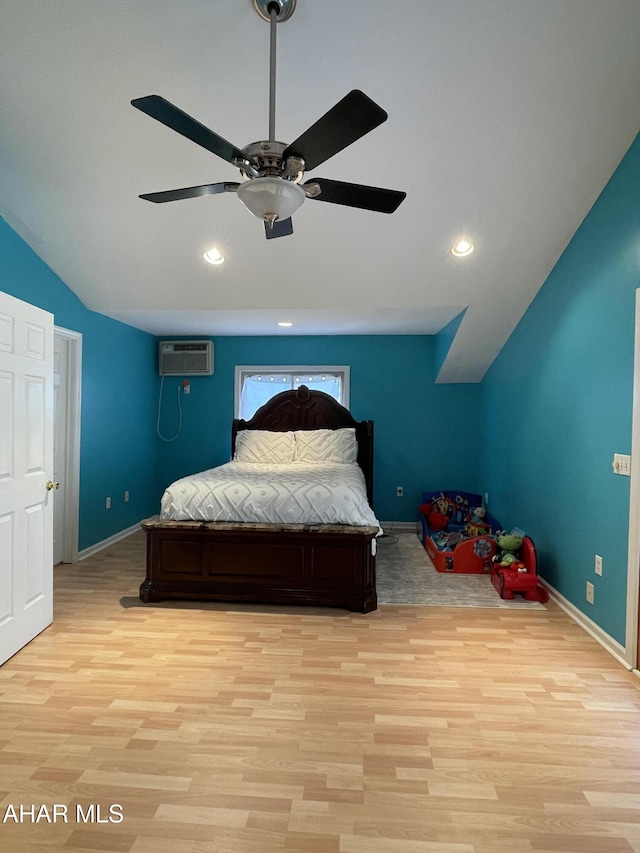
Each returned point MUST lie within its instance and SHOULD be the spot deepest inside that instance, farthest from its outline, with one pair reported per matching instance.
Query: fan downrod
(286, 9)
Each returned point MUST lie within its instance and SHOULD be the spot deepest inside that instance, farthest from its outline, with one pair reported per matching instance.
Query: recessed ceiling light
(213, 256)
(285, 324)
(462, 248)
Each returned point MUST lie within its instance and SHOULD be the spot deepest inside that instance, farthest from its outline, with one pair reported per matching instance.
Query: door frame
(632, 639)
(71, 474)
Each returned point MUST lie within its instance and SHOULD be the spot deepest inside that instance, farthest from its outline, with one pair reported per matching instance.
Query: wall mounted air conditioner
(185, 358)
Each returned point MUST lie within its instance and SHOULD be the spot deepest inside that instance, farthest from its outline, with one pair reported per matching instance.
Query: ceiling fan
(272, 171)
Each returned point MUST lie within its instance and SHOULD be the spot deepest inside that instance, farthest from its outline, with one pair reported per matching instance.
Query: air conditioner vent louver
(185, 358)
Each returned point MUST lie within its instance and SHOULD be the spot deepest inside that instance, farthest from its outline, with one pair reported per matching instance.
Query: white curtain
(258, 388)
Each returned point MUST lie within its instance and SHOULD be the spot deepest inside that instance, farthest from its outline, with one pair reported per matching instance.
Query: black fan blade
(164, 112)
(357, 195)
(352, 117)
(281, 228)
(190, 192)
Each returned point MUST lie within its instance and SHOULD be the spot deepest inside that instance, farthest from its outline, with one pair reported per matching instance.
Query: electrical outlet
(590, 592)
(399, 492)
(598, 565)
(126, 496)
(107, 503)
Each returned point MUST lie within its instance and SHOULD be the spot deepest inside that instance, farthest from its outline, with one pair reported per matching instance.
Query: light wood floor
(408, 730)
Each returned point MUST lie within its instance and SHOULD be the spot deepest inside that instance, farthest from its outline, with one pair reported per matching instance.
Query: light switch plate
(622, 464)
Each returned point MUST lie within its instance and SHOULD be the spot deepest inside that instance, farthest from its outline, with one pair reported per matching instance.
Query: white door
(26, 460)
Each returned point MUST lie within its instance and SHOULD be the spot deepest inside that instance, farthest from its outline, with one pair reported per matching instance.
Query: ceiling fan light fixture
(271, 199)
(274, 169)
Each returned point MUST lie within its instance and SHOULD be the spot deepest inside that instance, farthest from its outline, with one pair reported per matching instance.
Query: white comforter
(296, 493)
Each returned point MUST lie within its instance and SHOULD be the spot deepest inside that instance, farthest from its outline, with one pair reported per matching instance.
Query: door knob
(51, 485)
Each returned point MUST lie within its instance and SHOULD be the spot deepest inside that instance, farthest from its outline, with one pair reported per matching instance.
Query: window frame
(242, 369)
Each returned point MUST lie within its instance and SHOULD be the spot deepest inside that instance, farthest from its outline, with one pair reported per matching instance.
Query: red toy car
(521, 576)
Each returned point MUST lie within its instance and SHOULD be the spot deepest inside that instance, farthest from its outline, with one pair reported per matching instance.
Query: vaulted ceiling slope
(506, 119)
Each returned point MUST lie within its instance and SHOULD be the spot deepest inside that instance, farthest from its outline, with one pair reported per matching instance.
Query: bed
(301, 533)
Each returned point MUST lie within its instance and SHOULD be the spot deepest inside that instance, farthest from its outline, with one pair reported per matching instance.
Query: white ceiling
(506, 119)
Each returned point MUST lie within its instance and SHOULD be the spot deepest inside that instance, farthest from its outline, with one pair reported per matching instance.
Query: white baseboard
(390, 526)
(606, 641)
(99, 546)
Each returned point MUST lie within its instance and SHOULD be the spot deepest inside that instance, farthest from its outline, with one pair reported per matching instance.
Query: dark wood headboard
(305, 409)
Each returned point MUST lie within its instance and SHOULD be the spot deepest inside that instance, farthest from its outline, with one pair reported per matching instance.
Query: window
(256, 385)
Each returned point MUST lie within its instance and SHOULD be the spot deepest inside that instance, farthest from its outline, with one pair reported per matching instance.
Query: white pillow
(262, 445)
(326, 445)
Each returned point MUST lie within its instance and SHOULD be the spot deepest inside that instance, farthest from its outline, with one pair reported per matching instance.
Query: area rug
(406, 575)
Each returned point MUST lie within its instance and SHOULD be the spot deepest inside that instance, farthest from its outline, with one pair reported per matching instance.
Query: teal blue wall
(426, 435)
(119, 393)
(557, 404)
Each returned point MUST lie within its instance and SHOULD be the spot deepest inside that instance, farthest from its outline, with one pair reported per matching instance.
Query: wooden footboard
(326, 565)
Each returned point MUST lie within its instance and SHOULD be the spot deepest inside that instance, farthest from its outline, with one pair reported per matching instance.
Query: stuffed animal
(436, 520)
(477, 515)
(476, 525)
(509, 544)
